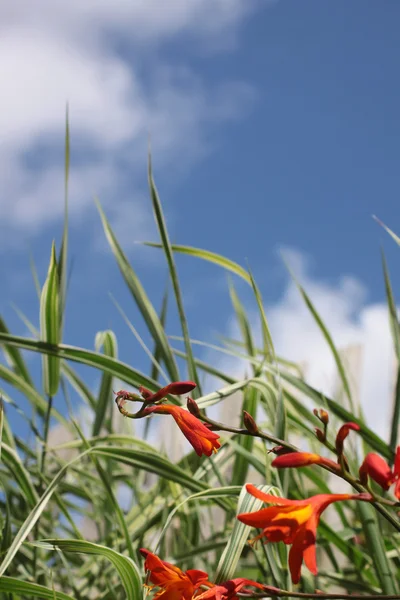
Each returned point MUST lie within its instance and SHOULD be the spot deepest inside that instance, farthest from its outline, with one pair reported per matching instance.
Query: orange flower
(293, 522)
(174, 584)
(229, 589)
(202, 439)
(379, 470)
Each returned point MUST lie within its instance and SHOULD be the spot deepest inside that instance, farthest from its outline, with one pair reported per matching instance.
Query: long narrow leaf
(166, 244)
(108, 341)
(143, 302)
(127, 569)
(50, 326)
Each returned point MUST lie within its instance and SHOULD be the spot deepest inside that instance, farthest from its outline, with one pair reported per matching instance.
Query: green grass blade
(34, 516)
(328, 339)
(221, 492)
(212, 257)
(376, 547)
(126, 567)
(230, 557)
(35, 276)
(109, 492)
(14, 357)
(108, 341)
(321, 400)
(217, 396)
(62, 263)
(157, 353)
(145, 306)
(152, 463)
(79, 385)
(83, 356)
(20, 474)
(394, 237)
(242, 320)
(241, 464)
(166, 244)
(50, 326)
(269, 351)
(395, 329)
(141, 341)
(29, 392)
(13, 585)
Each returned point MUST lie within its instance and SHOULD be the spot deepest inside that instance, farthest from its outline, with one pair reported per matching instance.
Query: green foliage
(54, 498)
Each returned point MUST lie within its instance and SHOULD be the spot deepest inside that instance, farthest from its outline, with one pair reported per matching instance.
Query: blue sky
(274, 125)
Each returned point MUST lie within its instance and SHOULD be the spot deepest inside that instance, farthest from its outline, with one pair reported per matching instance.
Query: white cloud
(54, 52)
(359, 328)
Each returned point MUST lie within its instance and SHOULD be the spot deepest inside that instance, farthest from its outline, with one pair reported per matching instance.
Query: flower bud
(279, 450)
(320, 434)
(249, 422)
(176, 388)
(323, 415)
(193, 407)
(302, 459)
(342, 435)
(145, 393)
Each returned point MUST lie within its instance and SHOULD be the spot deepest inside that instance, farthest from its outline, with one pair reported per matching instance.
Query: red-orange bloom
(229, 589)
(303, 459)
(174, 584)
(396, 473)
(202, 439)
(378, 469)
(293, 522)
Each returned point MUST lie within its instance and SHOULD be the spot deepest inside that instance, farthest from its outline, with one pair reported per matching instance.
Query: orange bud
(175, 388)
(320, 434)
(342, 435)
(323, 415)
(302, 459)
(249, 422)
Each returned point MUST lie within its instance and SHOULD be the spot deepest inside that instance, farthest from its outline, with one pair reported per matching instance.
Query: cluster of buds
(373, 466)
(323, 416)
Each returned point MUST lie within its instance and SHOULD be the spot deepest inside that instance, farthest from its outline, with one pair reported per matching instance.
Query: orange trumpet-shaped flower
(379, 470)
(174, 584)
(202, 439)
(293, 522)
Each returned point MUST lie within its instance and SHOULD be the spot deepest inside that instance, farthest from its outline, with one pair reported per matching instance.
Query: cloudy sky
(274, 126)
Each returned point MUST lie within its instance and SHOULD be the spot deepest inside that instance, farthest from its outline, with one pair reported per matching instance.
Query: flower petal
(260, 518)
(254, 491)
